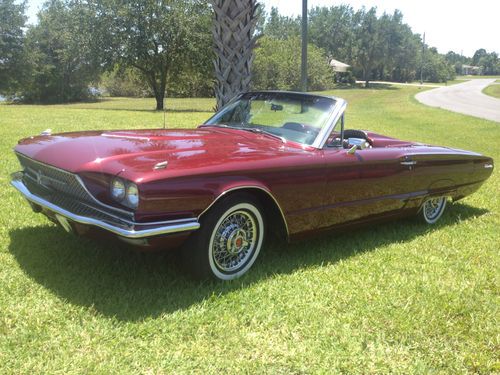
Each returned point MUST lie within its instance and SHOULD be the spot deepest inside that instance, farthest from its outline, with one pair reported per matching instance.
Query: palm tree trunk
(234, 40)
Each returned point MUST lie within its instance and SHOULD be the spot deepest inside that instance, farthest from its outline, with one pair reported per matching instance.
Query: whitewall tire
(229, 240)
(432, 209)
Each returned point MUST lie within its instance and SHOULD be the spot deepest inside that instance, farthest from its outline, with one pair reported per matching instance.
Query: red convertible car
(268, 162)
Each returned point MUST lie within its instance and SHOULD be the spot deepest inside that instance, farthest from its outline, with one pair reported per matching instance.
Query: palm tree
(234, 40)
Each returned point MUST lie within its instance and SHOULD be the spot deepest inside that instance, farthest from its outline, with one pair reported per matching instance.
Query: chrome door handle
(409, 162)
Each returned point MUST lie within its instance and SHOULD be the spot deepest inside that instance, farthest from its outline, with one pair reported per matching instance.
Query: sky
(449, 25)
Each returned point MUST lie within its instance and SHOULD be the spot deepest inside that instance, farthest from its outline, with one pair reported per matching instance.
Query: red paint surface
(314, 188)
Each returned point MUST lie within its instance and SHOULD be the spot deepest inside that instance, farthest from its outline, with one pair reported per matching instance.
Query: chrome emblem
(161, 165)
(39, 176)
(41, 179)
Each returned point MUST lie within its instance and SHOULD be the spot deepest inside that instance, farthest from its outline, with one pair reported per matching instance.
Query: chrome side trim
(167, 227)
(248, 187)
(409, 162)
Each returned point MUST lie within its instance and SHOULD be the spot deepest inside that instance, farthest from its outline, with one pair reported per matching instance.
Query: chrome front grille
(54, 178)
(67, 191)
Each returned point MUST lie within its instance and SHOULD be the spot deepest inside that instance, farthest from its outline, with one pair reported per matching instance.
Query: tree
(399, 49)
(457, 61)
(12, 58)
(281, 27)
(368, 44)
(332, 29)
(234, 38)
(490, 63)
(60, 56)
(436, 68)
(480, 53)
(277, 66)
(124, 82)
(156, 37)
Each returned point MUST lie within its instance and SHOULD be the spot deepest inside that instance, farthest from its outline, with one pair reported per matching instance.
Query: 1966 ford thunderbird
(277, 162)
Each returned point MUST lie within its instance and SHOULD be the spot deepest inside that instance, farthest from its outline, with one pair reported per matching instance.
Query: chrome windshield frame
(336, 113)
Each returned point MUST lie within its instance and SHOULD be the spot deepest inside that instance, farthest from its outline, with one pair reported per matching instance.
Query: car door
(366, 183)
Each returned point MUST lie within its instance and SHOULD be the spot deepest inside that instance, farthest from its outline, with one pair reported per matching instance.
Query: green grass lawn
(493, 90)
(400, 297)
(475, 77)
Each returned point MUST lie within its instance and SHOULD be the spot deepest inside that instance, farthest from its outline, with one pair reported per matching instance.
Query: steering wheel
(354, 133)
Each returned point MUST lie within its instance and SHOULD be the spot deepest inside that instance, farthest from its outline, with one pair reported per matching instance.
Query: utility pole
(422, 67)
(303, 65)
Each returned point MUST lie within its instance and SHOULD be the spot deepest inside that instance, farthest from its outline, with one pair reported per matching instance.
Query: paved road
(465, 98)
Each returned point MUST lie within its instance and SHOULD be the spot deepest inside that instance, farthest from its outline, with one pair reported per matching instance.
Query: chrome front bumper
(127, 230)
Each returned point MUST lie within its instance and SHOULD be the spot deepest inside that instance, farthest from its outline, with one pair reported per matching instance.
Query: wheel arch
(273, 211)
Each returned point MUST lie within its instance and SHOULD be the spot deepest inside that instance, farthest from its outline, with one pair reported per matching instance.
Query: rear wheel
(229, 240)
(433, 208)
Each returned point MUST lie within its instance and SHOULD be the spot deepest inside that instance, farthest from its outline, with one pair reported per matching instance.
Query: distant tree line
(488, 62)
(377, 47)
(158, 48)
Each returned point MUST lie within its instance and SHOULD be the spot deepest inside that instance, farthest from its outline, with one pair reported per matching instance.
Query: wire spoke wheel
(236, 237)
(235, 240)
(433, 208)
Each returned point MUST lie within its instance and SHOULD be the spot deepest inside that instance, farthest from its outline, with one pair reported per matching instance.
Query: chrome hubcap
(432, 207)
(234, 241)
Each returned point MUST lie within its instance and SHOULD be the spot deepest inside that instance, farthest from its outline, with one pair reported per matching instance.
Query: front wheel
(229, 240)
(433, 208)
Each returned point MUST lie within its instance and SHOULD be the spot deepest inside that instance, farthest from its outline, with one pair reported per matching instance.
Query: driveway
(465, 98)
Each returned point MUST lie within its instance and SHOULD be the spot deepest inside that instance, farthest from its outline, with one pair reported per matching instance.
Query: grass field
(475, 77)
(462, 79)
(493, 90)
(400, 297)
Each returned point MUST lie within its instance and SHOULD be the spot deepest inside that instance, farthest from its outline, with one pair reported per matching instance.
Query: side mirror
(359, 142)
(352, 150)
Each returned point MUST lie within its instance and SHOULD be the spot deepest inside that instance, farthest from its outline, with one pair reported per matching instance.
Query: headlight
(118, 189)
(132, 195)
(125, 192)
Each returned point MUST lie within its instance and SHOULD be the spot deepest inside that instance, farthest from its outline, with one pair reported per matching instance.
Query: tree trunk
(159, 102)
(158, 88)
(160, 92)
(234, 40)
(367, 78)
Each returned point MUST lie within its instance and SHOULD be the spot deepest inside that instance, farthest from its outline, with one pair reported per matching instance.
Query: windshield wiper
(265, 132)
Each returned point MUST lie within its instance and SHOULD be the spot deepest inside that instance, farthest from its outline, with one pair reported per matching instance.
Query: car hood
(134, 154)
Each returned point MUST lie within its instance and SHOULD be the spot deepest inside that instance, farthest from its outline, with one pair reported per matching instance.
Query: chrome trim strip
(109, 135)
(128, 213)
(337, 112)
(248, 187)
(174, 226)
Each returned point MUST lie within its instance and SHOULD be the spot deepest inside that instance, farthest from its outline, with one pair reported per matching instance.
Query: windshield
(291, 116)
